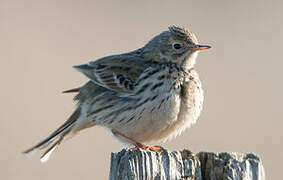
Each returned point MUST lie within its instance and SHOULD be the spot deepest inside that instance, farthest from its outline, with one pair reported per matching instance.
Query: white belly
(162, 121)
(157, 117)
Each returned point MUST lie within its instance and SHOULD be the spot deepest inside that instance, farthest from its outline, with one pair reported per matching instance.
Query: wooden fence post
(184, 165)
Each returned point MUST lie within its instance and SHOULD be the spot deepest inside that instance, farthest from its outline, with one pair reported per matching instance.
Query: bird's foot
(138, 145)
(145, 147)
(156, 148)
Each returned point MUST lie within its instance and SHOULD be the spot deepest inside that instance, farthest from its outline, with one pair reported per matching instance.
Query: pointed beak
(201, 47)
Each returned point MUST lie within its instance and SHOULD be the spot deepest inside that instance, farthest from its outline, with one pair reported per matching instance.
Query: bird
(151, 94)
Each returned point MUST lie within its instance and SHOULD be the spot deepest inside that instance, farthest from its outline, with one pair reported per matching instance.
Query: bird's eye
(177, 46)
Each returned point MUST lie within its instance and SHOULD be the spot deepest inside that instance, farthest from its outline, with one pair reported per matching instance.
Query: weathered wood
(148, 165)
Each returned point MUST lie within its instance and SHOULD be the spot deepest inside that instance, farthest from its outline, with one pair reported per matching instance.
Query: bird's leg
(135, 143)
(138, 144)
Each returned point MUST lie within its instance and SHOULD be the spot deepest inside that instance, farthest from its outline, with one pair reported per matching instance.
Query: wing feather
(118, 73)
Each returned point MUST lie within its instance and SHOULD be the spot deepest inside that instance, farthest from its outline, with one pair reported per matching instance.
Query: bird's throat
(189, 61)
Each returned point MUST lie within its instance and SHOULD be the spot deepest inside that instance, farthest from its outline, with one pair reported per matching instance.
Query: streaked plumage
(150, 94)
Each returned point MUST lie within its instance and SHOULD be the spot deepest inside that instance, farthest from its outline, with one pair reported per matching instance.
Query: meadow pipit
(150, 94)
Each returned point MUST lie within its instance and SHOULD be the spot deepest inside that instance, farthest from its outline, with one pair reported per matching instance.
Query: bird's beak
(201, 47)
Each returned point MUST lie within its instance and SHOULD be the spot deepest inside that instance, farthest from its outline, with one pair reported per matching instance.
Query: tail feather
(58, 134)
(74, 90)
(46, 155)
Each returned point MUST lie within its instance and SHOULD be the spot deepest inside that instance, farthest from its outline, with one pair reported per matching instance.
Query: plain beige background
(42, 40)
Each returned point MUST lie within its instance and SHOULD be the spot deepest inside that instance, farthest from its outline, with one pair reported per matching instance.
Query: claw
(156, 148)
(145, 147)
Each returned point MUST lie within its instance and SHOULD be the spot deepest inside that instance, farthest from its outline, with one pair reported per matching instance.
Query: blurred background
(42, 40)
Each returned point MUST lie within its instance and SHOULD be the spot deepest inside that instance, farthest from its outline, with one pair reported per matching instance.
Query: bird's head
(177, 45)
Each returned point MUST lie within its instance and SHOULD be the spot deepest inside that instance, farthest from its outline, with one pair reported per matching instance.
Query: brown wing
(117, 73)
